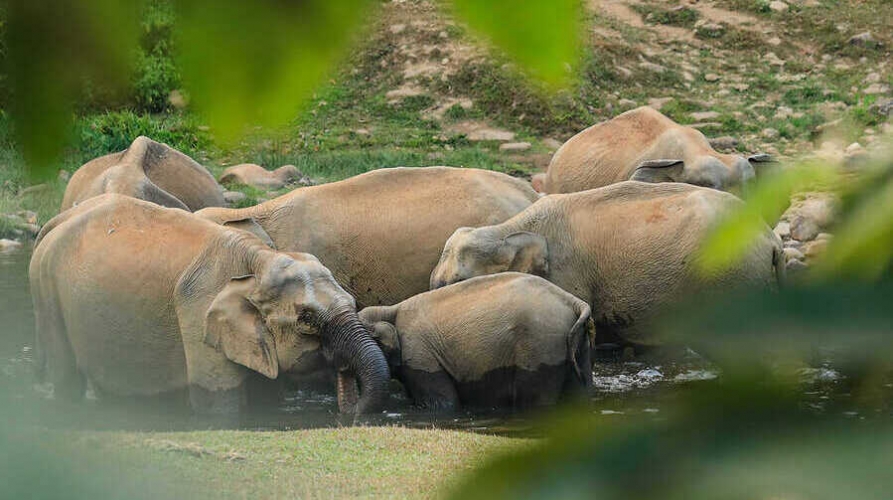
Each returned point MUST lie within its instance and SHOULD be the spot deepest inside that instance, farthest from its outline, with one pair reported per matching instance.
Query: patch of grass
(390, 462)
(676, 16)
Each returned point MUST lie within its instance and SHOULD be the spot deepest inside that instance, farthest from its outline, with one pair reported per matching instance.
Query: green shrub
(101, 134)
(155, 72)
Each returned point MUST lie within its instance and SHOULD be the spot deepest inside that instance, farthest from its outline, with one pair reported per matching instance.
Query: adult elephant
(382, 232)
(626, 249)
(643, 145)
(143, 300)
(150, 171)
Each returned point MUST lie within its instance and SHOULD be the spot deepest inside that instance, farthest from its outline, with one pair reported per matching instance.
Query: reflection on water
(620, 387)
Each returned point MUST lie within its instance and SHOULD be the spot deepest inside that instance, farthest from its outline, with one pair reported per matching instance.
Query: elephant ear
(386, 335)
(234, 324)
(657, 171)
(251, 225)
(525, 252)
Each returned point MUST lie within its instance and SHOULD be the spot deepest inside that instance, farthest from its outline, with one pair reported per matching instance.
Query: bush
(155, 73)
(98, 135)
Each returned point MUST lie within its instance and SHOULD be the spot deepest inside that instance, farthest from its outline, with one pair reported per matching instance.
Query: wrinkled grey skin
(148, 301)
(150, 171)
(507, 340)
(382, 232)
(627, 249)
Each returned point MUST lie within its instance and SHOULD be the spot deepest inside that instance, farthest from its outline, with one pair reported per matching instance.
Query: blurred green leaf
(765, 203)
(256, 62)
(55, 47)
(543, 36)
(863, 245)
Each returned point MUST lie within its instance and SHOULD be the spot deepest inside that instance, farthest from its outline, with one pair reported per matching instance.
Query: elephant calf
(642, 145)
(149, 171)
(143, 300)
(626, 249)
(507, 340)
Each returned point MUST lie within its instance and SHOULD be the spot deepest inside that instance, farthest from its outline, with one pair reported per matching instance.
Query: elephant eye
(305, 316)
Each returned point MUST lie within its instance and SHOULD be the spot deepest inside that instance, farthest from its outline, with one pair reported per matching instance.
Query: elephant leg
(431, 390)
(217, 386)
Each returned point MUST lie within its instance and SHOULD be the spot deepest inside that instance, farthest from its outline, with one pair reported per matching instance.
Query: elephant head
(290, 316)
(705, 170)
(476, 252)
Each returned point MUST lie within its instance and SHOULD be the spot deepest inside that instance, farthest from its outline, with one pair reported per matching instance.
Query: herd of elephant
(468, 286)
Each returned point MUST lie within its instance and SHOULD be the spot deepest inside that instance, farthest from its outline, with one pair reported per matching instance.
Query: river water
(620, 387)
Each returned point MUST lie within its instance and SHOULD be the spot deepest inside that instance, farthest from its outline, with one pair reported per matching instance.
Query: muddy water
(620, 388)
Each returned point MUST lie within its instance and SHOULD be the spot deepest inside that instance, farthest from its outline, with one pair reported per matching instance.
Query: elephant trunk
(357, 358)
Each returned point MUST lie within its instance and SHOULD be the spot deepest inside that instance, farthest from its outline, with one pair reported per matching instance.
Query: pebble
(724, 142)
(551, 143)
(704, 115)
(793, 253)
(783, 230)
(514, 146)
(9, 245)
(712, 77)
(863, 40)
(876, 88)
(824, 236)
(770, 133)
(803, 229)
(778, 6)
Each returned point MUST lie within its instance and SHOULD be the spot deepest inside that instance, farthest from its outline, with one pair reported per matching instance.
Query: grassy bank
(392, 462)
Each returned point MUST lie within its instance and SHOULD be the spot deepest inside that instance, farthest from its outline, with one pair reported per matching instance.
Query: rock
(479, 131)
(872, 78)
(9, 245)
(704, 115)
(64, 176)
(233, 197)
(792, 244)
(793, 253)
(795, 266)
(400, 93)
(778, 6)
(551, 143)
(712, 77)
(709, 30)
(824, 236)
(863, 40)
(514, 146)
(882, 107)
(770, 133)
(783, 230)
(650, 66)
(815, 248)
(306, 181)
(854, 149)
(658, 102)
(819, 210)
(706, 125)
(724, 142)
(627, 104)
(774, 41)
(783, 112)
(803, 229)
(773, 59)
(361, 131)
(877, 88)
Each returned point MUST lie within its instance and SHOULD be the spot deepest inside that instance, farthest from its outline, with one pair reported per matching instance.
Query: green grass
(391, 462)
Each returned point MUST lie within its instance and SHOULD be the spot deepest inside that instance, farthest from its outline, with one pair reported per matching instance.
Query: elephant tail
(578, 345)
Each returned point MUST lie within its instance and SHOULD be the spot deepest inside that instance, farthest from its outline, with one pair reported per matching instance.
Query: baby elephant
(506, 340)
